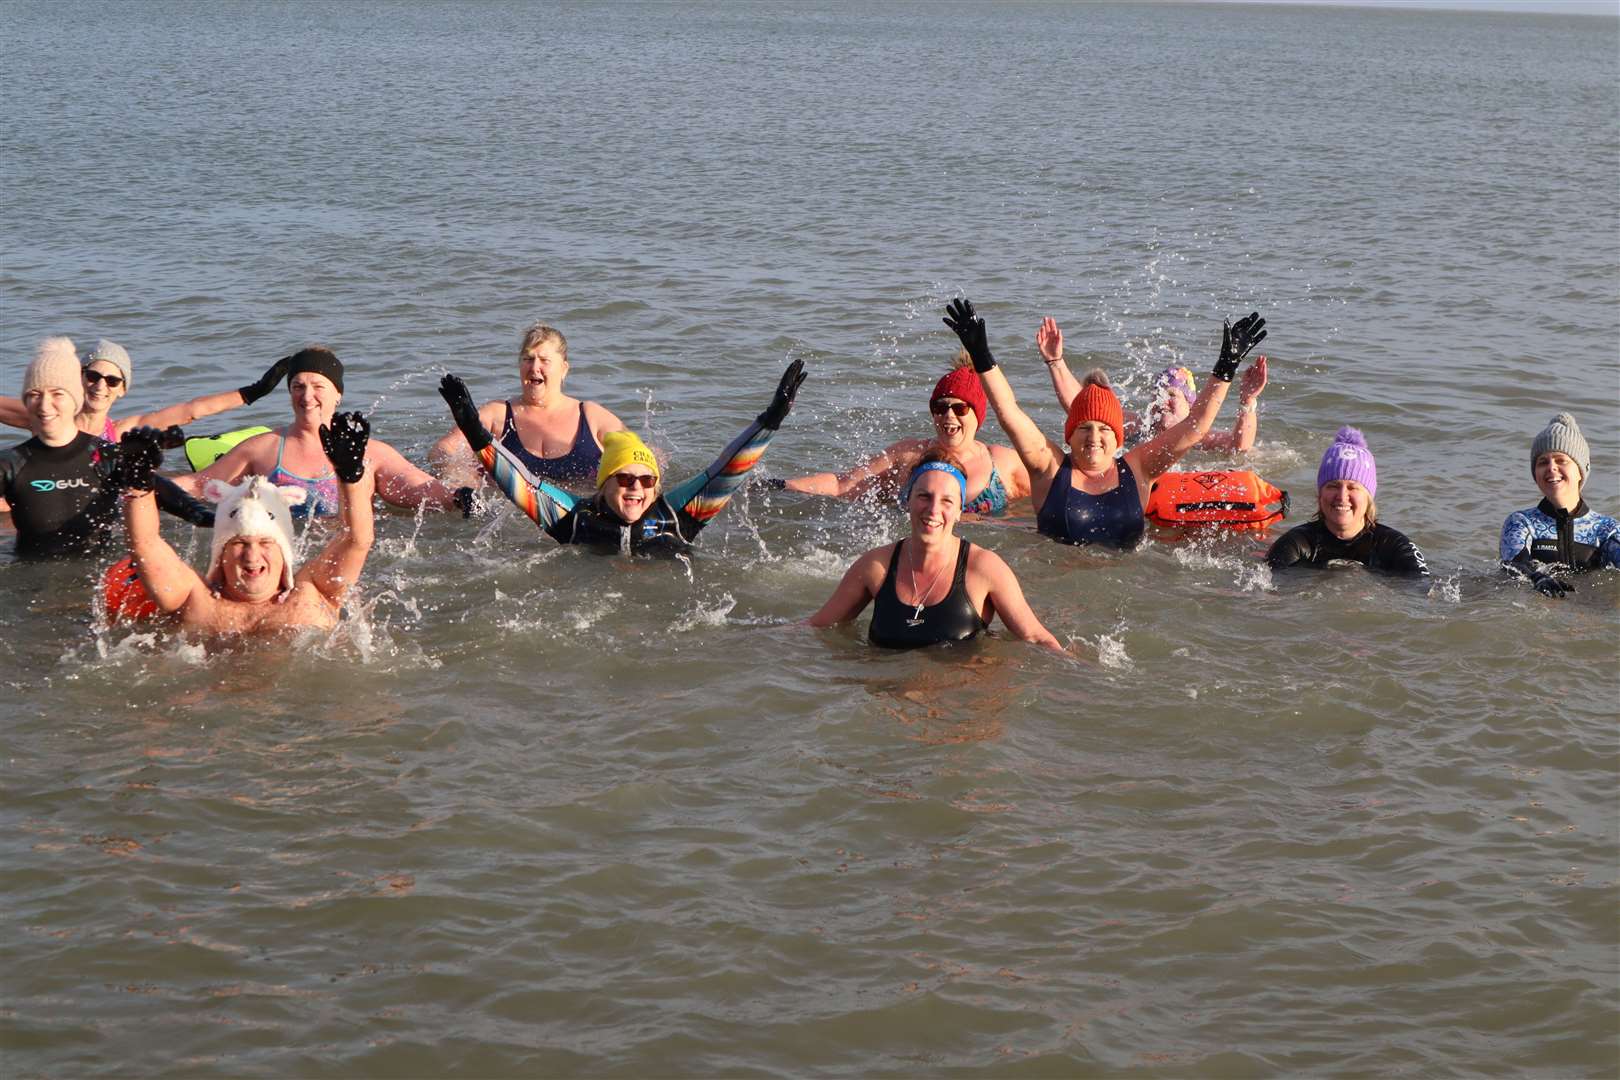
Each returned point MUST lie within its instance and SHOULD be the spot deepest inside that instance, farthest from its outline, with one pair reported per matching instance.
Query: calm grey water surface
(531, 811)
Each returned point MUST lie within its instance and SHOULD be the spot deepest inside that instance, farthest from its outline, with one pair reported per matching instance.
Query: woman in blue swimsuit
(994, 474)
(1088, 495)
(553, 436)
(293, 455)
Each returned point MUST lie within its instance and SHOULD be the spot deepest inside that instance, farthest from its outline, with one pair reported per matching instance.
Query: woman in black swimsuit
(933, 586)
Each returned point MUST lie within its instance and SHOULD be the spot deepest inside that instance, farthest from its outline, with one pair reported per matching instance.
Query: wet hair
(539, 334)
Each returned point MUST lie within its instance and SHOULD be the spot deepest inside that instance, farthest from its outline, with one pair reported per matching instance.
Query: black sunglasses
(93, 376)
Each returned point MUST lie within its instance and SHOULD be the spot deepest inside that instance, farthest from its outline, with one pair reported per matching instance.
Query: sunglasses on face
(93, 377)
(630, 480)
(960, 408)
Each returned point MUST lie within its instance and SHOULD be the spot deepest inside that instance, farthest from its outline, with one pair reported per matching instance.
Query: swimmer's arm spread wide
(699, 499)
(544, 504)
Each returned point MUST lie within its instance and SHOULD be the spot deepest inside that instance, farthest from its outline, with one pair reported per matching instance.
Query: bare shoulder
(601, 420)
(981, 560)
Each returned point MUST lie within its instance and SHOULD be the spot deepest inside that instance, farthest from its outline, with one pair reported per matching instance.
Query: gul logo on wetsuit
(58, 485)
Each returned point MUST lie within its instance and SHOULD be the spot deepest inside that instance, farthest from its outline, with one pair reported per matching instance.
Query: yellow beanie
(621, 448)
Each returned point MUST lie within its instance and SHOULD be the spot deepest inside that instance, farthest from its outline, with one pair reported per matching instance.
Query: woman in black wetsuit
(1086, 494)
(933, 586)
(1345, 528)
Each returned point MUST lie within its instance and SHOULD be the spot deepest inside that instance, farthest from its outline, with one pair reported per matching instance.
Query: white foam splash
(701, 615)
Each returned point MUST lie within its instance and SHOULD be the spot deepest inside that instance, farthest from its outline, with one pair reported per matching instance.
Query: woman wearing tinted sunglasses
(630, 510)
(107, 378)
(995, 476)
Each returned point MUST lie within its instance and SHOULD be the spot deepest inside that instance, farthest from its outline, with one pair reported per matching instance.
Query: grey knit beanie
(1563, 435)
(113, 353)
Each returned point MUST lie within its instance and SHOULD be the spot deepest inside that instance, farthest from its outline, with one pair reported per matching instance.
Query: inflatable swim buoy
(1236, 499)
(126, 596)
(203, 450)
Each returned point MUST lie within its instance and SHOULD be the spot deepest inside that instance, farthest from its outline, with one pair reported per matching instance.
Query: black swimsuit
(952, 619)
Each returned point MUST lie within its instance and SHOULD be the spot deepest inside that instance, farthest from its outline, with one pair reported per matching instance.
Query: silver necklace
(916, 612)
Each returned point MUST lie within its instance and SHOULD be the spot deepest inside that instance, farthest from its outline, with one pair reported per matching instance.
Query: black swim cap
(317, 360)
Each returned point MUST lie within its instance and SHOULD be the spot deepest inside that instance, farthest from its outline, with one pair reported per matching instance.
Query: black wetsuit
(62, 503)
(1377, 548)
(1072, 516)
(662, 530)
(952, 619)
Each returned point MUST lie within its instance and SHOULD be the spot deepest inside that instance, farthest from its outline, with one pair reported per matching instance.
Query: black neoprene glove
(969, 328)
(265, 383)
(786, 390)
(464, 412)
(1236, 341)
(140, 452)
(345, 445)
(1546, 584)
(172, 437)
(465, 501)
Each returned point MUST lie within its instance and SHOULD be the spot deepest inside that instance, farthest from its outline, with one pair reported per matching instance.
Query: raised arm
(699, 499)
(1037, 453)
(544, 504)
(1241, 437)
(1049, 339)
(1157, 456)
(208, 404)
(168, 579)
(338, 566)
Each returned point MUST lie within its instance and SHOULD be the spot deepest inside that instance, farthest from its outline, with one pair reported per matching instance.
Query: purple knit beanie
(1348, 459)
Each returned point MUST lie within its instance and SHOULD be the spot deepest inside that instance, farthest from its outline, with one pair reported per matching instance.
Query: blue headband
(936, 466)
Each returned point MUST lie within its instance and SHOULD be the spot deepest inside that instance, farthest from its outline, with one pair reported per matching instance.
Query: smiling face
(1170, 407)
(542, 367)
(1092, 447)
(52, 414)
(314, 399)
(1560, 479)
(934, 505)
(628, 494)
(1344, 505)
(250, 568)
(99, 391)
(955, 422)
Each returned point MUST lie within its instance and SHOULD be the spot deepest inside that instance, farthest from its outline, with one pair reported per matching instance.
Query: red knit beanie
(1096, 402)
(963, 385)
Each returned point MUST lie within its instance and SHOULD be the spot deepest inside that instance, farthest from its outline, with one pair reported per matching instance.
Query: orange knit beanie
(1095, 401)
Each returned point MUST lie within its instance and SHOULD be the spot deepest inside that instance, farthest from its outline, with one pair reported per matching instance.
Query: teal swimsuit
(322, 490)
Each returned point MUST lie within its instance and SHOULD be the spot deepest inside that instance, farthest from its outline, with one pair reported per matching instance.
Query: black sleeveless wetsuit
(1113, 519)
(952, 619)
(61, 502)
(1377, 548)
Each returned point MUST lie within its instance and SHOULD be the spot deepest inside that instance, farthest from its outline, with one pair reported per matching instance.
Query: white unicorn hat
(255, 507)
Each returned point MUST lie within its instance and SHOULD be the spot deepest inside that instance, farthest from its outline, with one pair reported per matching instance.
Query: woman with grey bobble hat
(107, 374)
(1559, 535)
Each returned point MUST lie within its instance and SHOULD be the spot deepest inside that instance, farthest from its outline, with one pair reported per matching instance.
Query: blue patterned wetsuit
(1544, 537)
(1113, 519)
(578, 466)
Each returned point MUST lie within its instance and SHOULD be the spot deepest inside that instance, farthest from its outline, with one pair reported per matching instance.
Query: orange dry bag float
(1223, 500)
(126, 596)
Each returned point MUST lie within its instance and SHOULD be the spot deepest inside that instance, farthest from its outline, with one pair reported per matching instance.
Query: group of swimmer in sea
(81, 471)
